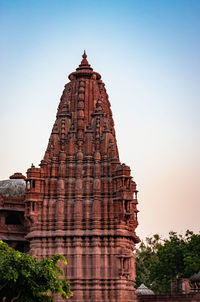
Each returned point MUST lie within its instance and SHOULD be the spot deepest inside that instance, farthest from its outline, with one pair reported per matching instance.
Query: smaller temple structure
(182, 290)
(12, 208)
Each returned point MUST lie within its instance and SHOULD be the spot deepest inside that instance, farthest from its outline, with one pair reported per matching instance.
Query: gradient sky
(148, 55)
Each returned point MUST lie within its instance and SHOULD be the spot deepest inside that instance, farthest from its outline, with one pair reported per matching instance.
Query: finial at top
(84, 70)
(84, 61)
(84, 56)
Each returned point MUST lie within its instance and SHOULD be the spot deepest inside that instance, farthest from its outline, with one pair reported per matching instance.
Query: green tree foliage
(146, 255)
(26, 279)
(159, 261)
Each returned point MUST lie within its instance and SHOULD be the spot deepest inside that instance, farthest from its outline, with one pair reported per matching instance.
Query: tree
(160, 261)
(26, 279)
(146, 255)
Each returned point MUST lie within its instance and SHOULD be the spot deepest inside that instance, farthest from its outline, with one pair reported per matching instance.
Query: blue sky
(148, 55)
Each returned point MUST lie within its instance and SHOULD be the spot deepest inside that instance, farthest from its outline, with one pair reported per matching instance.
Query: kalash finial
(84, 56)
(84, 69)
(84, 61)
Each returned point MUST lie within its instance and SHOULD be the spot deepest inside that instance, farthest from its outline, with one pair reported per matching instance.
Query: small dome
(17, 175)
(195, 277)
(143, 290)
(12, 187)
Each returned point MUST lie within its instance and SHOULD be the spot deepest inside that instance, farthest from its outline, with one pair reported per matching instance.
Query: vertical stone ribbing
(82, 201)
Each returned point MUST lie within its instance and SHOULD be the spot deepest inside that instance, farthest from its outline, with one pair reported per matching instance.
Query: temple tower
(82, 201)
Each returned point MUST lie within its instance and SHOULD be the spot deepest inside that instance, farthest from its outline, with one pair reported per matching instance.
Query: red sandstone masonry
(82, 202)
(170, 298)
(13, 234)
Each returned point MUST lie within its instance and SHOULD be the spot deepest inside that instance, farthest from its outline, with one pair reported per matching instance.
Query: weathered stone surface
(142, 290)
(12, 208)
(82, 201)
(12, 187)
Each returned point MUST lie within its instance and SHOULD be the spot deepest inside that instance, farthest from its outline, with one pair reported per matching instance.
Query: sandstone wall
(170, 298)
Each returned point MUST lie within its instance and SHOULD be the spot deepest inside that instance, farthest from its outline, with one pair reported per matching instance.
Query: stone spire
(82, 201)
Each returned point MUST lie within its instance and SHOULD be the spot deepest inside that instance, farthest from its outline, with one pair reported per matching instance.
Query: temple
(82, 202)
(12, 207)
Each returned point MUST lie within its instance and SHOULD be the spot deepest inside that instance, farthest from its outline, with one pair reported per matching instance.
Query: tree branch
(1, 287)
(17, 297)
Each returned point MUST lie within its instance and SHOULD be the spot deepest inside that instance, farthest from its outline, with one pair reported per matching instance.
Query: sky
(147, 52)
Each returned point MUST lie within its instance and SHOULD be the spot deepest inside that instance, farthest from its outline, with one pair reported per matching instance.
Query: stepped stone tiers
(81, 202)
